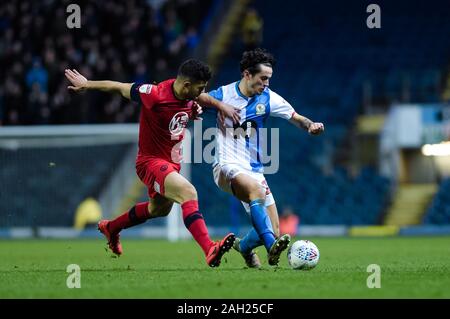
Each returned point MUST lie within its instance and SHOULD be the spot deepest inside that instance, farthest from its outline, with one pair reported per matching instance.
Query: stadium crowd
(128, 41)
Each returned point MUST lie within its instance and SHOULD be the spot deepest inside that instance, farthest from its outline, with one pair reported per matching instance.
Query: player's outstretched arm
(207, 100)
(80, 83)
(313, 128)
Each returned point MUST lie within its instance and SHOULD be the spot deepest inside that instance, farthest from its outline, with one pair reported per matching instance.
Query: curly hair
(195, 70)
(251, 60)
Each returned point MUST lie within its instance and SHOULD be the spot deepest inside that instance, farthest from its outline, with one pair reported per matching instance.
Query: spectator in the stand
(37, 75)
(141, 75)
(38, 111)
(174, 33)
(192, 38)
(289, 222)
(161, 70)
(13, 100)
(13, 117)
(36, 45)
(252, 30)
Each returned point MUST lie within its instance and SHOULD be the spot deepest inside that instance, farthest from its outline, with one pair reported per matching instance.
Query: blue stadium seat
(439, 210)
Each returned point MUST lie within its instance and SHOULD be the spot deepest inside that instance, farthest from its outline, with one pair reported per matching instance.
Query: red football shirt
(162, 121)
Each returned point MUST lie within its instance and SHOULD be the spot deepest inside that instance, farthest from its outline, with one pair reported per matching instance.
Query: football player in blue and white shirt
(238, 168)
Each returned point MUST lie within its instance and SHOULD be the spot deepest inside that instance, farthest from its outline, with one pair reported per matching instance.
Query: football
(303, 255)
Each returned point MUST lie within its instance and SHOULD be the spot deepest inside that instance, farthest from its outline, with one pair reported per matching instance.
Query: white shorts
(223, 174)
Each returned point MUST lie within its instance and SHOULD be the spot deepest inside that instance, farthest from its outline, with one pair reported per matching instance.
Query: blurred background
(381, 168)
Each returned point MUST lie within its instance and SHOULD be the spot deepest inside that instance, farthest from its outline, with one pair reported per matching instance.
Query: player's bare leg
(247, 189)
(157, 207)
(180, 190)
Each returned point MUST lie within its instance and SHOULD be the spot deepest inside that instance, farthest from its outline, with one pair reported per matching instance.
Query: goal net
(58, 180)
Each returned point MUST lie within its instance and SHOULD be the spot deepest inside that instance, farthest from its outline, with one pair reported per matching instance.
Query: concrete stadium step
(224, 35)
(410, 203)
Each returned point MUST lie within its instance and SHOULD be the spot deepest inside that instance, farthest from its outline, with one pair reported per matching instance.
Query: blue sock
(261, 222)
(250, 241)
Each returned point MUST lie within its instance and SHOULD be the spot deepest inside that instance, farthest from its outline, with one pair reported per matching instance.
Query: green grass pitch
(416, 267)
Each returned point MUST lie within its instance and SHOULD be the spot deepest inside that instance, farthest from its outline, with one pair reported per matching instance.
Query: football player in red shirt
(166, 110)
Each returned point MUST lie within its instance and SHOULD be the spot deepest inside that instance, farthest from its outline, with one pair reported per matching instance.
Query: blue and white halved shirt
(243, 145)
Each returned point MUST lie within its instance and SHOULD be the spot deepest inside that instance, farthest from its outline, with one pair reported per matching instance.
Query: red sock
(135, 216)
(194, 222)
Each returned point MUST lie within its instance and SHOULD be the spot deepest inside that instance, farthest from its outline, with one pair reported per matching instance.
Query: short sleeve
(142, 93)
(279, 107)
(217, 94)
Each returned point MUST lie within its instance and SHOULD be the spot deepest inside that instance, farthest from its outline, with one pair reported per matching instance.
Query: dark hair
(252, 59)
(195, 70)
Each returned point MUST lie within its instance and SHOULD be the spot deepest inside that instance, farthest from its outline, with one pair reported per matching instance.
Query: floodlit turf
(410, 268)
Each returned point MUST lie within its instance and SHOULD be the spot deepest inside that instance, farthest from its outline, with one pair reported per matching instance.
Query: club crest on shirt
(178, 123)
(260, 109)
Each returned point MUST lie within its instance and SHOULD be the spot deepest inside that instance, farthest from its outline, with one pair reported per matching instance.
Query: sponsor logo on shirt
(178, 123)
